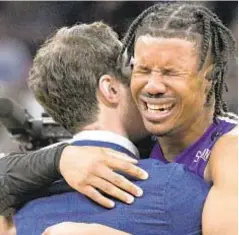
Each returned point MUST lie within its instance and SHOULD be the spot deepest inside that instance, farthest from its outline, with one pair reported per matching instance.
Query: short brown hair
(66, 70)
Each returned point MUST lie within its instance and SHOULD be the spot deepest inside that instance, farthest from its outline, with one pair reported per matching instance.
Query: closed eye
(169, 72)
(141, 69)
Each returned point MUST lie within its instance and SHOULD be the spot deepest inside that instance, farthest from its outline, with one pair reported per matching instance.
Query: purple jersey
(196, 156)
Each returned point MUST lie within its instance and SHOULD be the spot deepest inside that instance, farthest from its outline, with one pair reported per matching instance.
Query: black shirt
(21, 174)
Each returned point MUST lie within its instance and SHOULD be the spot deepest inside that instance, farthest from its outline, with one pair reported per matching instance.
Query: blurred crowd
(24, 26)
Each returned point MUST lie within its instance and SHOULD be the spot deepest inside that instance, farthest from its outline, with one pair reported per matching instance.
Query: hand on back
(87, 169)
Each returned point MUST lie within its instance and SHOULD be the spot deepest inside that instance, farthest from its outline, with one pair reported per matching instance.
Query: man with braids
(173, 197)
(180, 57)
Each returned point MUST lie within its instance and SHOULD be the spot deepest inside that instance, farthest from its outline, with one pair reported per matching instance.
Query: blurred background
(24, 26)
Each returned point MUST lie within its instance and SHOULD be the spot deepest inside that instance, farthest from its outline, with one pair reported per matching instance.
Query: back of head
(66, 70)
(194, 23)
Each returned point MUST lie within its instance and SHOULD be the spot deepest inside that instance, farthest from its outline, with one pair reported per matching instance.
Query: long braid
(206, 37)
(217, 39)
(222, 60)
(228, 48)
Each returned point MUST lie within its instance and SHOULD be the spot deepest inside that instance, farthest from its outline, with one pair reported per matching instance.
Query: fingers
(97, 197)
(100, 167)
(120, 181)
(126, 167)
(122, 156)
(112, 190)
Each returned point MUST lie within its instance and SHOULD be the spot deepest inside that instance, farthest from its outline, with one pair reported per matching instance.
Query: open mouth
(156, 108)
(156, 112)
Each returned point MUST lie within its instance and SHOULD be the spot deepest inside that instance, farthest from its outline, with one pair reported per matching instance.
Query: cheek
(194, 93)
(198, 89)
(185, 89)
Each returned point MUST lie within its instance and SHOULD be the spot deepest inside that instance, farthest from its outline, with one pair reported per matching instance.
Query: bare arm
(69, 228)
(220, 210)
(65, 228)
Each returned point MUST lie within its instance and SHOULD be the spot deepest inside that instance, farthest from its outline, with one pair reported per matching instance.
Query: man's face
(166, 86)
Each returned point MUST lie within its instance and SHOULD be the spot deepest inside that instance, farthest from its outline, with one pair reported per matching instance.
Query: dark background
(24, 26)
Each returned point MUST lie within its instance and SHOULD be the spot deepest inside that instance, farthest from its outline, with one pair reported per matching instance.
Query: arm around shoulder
(21, 173)
(220, 210)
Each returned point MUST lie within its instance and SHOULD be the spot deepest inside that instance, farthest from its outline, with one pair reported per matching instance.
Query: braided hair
(190, 21)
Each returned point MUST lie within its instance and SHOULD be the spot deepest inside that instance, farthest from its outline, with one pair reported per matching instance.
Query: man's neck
(105, 125)
(107, 137)
(174, 144)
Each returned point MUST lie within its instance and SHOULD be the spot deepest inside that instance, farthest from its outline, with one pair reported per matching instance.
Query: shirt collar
(107, 136)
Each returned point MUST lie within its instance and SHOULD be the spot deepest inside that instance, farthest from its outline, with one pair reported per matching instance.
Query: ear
(109, 89)
(207, 77)
(208, 72)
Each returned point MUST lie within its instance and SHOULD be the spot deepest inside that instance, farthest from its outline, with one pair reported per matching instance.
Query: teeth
(156, 111)
(154, 107)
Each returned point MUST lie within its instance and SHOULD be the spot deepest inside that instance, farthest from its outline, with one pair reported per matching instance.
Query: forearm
(70, 228)
(21, 174)
(220, 214)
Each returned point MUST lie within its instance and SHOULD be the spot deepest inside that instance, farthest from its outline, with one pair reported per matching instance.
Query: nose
(155, 84)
